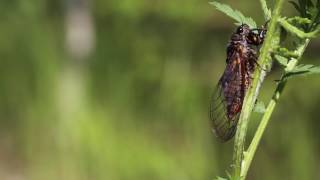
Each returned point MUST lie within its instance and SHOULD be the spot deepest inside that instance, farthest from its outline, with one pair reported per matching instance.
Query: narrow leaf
(302, 70)
(234, 14)
(306, 67)
(281, 60)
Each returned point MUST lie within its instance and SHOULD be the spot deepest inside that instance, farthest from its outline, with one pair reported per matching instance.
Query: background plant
(137, 107)
(302, 28)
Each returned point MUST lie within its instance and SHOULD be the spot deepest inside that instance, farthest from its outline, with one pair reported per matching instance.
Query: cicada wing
(223, 127)
(227, 97)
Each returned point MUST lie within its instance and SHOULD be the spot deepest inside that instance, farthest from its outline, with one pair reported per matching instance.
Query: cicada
(227, 100)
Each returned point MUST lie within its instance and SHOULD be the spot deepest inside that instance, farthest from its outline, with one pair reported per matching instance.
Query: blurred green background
(120, 90)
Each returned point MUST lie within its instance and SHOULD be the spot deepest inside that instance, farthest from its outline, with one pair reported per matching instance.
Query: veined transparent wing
(227, 99)
(223, 127)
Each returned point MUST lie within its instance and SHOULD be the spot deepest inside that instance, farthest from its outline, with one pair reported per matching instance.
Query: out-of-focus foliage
(137, 106)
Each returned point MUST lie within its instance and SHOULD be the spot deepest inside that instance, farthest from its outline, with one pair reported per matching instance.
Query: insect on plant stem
(227, 101)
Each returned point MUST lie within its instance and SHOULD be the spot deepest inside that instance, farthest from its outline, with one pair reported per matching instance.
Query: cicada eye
(240, 29)
(243, 29)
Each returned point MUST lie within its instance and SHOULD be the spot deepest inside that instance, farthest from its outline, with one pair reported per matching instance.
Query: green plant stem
(249, 100)
(294, 30)
(266, 117)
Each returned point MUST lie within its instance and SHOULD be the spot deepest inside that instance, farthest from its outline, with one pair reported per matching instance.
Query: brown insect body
(228, 98)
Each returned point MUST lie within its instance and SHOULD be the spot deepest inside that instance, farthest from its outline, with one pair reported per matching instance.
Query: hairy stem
(248, 104)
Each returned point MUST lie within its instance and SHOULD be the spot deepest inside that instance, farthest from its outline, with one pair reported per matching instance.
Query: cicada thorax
(256, 38)
(228, 99)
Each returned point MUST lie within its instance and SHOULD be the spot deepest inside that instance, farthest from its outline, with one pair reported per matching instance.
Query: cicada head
(244, 29)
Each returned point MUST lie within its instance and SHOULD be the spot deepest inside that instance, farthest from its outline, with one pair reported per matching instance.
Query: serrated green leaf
(259, 107)
(303, 70)
(234, 14)
(281, 60)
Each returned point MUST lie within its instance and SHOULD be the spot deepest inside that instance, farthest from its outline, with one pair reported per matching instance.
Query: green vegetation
(305, 27)
(134, 104)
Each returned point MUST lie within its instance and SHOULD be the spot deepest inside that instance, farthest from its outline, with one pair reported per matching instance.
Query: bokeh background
(120, 90)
